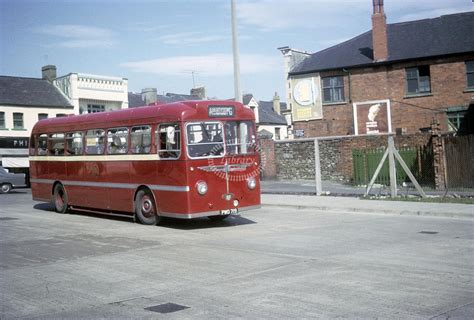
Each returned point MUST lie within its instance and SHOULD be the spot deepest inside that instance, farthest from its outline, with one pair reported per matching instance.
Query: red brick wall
(267, 158)
(448, 88)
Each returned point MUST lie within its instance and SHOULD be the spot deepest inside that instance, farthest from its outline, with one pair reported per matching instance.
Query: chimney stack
(149, 95)
(276, 103)
(379, 31)
(48, 73)
(199, 91)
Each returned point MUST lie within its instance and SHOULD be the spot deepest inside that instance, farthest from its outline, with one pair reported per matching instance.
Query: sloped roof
(246, 98)
(445, 35)
(267, 115)
(34, 92)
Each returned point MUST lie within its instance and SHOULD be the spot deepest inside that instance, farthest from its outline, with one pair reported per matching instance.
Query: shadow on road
(181, 224)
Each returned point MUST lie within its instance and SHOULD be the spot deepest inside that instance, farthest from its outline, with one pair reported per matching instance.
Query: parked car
(9, 181)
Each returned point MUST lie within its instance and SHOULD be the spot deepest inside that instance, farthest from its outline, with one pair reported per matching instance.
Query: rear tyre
(6, 188)
(219, 218)
(60, 199)
(145, 208)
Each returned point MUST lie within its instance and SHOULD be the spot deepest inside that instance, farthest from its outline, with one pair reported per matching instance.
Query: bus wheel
(145, 208)
(60, 199)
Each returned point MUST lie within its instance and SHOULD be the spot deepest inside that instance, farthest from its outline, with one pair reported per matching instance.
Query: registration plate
(229, 211)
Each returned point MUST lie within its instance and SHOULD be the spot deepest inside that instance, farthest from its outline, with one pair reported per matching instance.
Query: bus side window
(168, 141)
(42, 145)
(95, 141)
(74, 143)
(117, 141)
(56, 144)
(140, 139)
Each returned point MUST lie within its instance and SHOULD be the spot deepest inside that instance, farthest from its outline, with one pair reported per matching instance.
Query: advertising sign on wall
(372, 117)
(306, 98)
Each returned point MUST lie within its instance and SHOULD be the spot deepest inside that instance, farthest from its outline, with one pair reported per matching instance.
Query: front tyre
(145, 208)
(60, 199)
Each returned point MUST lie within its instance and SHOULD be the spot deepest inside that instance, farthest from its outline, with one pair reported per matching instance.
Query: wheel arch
(146, 188)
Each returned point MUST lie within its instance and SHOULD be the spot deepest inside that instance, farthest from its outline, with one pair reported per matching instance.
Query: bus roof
(177, 111)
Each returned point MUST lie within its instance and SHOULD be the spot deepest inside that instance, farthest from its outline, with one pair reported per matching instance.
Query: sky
(164, 44)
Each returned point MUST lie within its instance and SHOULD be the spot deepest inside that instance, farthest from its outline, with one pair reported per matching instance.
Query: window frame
(3, 124)
(95, 108)
(69, 136)
(98, 146)
(15, 127)
(158, 141)
(331, 88)
(42, 114)
(43, 137)
(109, 142)
(249, 144)
(418, 81)
(131, 133)
(206, 122)
(469, 72)
(55, 140)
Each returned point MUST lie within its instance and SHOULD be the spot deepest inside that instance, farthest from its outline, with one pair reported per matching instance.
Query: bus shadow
(204, 223)
(181, 224)
(44, 206)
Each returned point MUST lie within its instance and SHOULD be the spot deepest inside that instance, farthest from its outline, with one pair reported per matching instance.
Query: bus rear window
(204, 139)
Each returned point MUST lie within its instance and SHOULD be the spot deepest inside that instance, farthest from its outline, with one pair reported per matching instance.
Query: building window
(454, 119)
(470, 74)
(42, 116)
(18, 121)
(418, 80)
(333, 89)
(2, 120)
(60, 115)
(277, 133)
(93, 108)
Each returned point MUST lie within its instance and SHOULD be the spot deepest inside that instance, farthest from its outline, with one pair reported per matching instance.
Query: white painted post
(392, 169)
(317, 168)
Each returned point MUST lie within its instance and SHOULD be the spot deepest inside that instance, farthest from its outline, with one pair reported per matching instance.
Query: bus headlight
(201, 187)
(251, 183)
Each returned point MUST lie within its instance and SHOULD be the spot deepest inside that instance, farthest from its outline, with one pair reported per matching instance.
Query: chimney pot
(48, 73)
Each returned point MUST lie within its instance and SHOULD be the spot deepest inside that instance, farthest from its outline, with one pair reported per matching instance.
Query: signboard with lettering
(221, 111)
(306, 98)
(372, 117)
(14, 142)
(299, 133)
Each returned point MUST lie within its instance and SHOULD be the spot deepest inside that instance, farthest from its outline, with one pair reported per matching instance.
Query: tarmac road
(271, 263)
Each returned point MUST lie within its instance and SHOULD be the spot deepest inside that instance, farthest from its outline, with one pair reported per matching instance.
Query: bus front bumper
(207, 213)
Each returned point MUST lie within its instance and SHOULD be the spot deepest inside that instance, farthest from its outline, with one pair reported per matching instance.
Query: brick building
(394, 78)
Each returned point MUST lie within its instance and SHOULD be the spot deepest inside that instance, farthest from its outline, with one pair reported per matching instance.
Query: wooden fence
(459, 154)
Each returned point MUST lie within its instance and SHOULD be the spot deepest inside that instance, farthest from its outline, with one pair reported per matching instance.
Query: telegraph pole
(235, 47)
